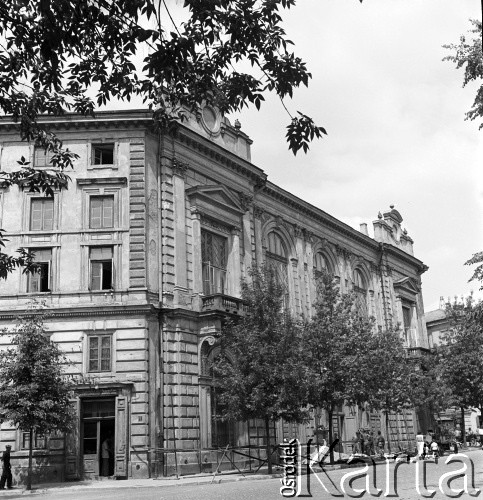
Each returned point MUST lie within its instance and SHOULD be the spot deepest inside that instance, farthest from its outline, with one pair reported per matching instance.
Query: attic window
(103, 154)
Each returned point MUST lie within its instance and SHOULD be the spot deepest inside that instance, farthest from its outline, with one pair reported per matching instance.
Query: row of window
(214, 254)
(101, 154)
(101, 213)
(100, 269)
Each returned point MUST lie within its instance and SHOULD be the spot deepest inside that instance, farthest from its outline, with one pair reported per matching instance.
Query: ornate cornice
(92, 311)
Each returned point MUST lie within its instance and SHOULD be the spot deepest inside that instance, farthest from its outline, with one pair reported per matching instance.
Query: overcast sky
(394, 112)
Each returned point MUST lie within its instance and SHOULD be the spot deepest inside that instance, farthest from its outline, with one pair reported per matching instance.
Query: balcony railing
(222, 303)
(416, 352)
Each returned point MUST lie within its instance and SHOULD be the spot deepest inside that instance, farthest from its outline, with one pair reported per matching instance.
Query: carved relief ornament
(179, 167)
(246, 201)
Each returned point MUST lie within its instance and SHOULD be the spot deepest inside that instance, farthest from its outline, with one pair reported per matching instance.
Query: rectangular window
(102, 154)
(42, 158)
(40, 281)
(101, 268)
(39, 441)
(214, 261)
(41, 214)
(101, 212)
(100, 353)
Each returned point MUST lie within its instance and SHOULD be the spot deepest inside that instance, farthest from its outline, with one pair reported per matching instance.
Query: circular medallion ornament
(210, 120)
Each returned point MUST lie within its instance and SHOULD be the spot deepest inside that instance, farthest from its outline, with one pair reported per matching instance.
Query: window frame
(112, 189)
(361, 288)
(38, 276)
(101, 261)
(103, 197)
(43, 201)
(37, 437)
(99, 359)
(217, 275)
(48, 156)
(91, 165)
(101, 146)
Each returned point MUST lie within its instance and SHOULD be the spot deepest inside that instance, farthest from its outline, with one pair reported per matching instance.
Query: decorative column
(309, 252)
(257, 213)
(234, 264)
(246, 202)
(180, 264)
(197, 270)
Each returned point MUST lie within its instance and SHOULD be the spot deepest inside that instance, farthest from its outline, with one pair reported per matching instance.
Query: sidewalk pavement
(195, 479)
(191, 480)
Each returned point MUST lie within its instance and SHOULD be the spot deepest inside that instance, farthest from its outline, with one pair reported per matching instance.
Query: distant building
(141, 260)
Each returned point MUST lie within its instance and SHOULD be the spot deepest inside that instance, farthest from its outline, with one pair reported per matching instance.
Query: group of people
(432, 449)
(365, 442)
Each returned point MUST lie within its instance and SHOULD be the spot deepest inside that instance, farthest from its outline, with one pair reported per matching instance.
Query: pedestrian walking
(434, 448)
(361, 440)
(355, 443)
(7, 469)
(370, 443)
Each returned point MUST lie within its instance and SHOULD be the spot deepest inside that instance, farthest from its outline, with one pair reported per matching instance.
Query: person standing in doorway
(105, 455)
(7, 469)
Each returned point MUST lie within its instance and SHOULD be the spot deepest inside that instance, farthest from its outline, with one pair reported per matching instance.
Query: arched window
(320, 262)
(360, 289)
(321, 265)
(277, 257)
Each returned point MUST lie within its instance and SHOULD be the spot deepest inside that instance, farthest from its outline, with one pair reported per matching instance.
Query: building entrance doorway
(98, 437)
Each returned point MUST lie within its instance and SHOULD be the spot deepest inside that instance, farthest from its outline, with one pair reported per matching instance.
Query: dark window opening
(101, 268)
(102, 154)
(40, 280)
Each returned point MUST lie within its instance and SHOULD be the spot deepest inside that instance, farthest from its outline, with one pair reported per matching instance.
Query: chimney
(363, 228)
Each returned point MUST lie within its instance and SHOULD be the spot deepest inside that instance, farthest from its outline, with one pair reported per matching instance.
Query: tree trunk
(388, 436)
(29, 472)
(463, 430)
(331, 437)
(269, 451)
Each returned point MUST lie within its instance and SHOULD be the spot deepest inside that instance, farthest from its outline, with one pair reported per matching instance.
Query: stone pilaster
(137, 216)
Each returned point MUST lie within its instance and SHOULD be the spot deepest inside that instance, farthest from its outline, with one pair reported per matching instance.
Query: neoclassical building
(141, 259)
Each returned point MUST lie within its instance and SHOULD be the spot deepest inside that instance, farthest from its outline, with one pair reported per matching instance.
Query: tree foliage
(461, 353)
(468, 54)
(259, 368)
(337, 351)
(59, 56)
(34, 392)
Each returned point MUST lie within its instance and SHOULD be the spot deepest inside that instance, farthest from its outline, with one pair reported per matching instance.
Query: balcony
(416, 352)
(220, 303)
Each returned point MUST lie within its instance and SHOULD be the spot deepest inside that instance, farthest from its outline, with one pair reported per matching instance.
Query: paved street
(268, 489)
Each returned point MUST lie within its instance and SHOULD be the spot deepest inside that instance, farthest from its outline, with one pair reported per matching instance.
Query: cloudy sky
(394, 113)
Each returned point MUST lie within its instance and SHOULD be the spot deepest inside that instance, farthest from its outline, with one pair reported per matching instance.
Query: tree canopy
(468, 54)
(337, 351)
(34, 392)
(60, 56)
(461, 353)
(259, 370)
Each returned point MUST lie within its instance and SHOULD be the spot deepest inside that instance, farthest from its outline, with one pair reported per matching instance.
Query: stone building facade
(142, 257)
